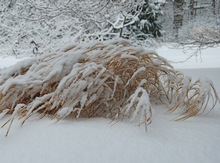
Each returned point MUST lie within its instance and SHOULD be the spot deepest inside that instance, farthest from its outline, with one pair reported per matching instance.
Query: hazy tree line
(40, 26)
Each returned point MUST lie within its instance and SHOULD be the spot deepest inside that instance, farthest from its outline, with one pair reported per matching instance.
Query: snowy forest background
(30, 27)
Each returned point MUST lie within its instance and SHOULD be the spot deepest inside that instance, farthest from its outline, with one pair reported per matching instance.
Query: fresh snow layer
(188, 59)
(98, 140)
(9, 61)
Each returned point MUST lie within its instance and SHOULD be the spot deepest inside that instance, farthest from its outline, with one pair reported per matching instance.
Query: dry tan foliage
(110, 79)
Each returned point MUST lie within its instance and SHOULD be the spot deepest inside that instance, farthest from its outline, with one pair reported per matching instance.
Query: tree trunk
(218, 4)
(192, 8)
(178, 15)
(214, 6)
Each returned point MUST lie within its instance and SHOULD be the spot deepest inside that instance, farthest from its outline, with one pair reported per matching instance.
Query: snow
(9, 61)
(188, 59)
(100, 140)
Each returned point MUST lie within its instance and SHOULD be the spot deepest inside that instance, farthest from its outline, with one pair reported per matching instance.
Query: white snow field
(98, 140)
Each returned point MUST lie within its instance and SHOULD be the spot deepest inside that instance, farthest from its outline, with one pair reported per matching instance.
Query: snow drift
(110, 79)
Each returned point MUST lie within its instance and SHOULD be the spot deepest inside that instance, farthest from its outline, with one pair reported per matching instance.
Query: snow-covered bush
(30, 27)
(110, 79)
(202, 31)
(139, 23)
(148, 22)
(33, 27)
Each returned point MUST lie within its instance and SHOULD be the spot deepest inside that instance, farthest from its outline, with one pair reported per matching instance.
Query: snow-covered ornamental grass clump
(109, 79)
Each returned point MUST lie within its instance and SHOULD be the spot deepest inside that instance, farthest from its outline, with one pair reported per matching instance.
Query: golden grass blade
(110, 79)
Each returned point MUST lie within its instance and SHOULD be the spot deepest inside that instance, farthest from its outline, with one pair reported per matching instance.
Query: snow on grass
(98, 140)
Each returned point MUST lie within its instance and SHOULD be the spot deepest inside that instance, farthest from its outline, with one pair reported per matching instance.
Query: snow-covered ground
(98, 140)
(188, 59)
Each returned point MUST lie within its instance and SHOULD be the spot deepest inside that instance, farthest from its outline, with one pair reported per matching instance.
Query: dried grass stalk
(110, 79)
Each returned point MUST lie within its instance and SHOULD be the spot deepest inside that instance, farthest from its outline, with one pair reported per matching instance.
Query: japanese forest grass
(111, 79)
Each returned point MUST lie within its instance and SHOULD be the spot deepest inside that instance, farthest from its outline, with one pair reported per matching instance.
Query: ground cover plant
(112, 79)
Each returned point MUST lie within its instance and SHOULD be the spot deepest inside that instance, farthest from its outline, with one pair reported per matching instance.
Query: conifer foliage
(148, 19)
(110, 79)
